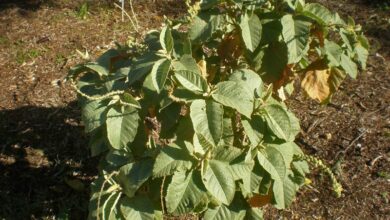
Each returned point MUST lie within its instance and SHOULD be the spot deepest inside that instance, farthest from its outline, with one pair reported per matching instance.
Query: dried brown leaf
(315, 83)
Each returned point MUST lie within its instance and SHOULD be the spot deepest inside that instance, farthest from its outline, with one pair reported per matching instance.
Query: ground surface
(45, 169)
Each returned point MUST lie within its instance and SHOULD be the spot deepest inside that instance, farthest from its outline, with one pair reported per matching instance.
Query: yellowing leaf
(315, 84)
(202, 67)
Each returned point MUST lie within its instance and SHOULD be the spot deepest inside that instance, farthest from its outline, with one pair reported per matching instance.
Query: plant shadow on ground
(44, 165)
(32, 5)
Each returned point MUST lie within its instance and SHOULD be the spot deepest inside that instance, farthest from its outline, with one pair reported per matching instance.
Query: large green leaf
(191, 81)
(185, 192)
(276, 160)
(272, 28)
(255, 129)
(118, 158)
(252, 182)
(188, 74)
(207, 118)
(333, 52)
(182, 45)
(223, 212)
(131, 176)
(186, 62)
(219, 181)
(296, 35)
(169, 117)
(362, 55)
(159, 73)
(142, 66)
(130, 100)
(240, 168)
(250, 79)
(226, 153)
(321, 14)
(122, 124)
(254, 214)
(170, 159)
(139, 207)
(227, 133)
(234, 211)
(204, 25)
(166, 39)
(93, 114)
(251, 31)
(101, 70)
(234, 95)
(274, 59)
(282, 123)
(349, 66)
(98, 141)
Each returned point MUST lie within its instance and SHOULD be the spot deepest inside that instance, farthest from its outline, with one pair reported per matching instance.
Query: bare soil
(45, 167)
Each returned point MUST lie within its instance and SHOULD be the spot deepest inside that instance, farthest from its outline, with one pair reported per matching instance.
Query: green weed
(24, 56)
(83, 11)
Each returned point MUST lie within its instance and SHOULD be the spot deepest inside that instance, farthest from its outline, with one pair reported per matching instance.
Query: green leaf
(255, 129)
(170, 159)
(101, 70)
(93, 114)
(234, 211)
(250, 79)
(160, 72)
(226, 153)
(272, 28)
(141, 67)
(219, 181)
(254, 214)
(130, 100)
(348, 38)
(251, 31)
(227, 133)
(252, 182)
(169, 117)
(166, 39)
(204, 25)
(241, 169)
(182, 46)
(273, 62)
(282, 123)
(98, 141)
(192, 81)
(349, 66)
(122, 124)
(207, 118)
(116, 158)
(321, 14)
(333, 52)
(276, 160)
(296, 35)
(139, 208)
(105, 59)
(362, 55)
(131, 176)
(152, 40)
(185, 192)
(186, 62)
(234, 95)
(186, 95)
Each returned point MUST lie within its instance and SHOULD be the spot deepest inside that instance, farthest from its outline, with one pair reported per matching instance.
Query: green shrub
(192, 120)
